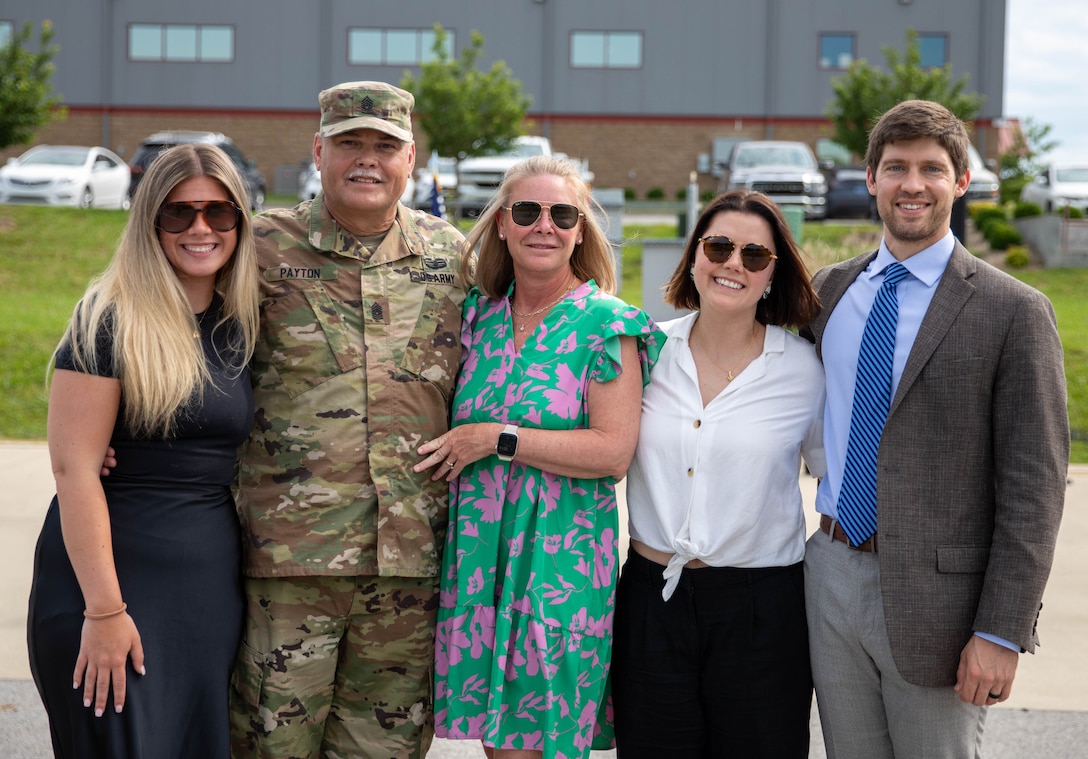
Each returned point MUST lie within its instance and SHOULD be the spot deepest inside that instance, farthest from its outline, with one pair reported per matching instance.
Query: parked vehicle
(309, 184)
(1059, 185)
(785, 171)
(985, 184)
(480, 177)
(848, 193)
(151, 147)
(66, 175)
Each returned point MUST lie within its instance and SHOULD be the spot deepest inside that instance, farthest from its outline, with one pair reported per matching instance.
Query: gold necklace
(539, 310)
(729, 376)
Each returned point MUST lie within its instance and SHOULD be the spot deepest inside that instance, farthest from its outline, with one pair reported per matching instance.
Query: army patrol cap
(367, 105)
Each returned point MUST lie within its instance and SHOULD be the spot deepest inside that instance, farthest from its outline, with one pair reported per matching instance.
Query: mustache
(364, 174)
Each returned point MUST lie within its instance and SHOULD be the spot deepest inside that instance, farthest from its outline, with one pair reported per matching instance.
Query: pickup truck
(479, 178)
(785, 171)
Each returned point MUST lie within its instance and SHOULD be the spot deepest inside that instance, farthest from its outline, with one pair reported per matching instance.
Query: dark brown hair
(916, 120)
(792, 302)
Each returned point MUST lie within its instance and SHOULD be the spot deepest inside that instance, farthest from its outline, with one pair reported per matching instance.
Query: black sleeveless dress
(176, 544)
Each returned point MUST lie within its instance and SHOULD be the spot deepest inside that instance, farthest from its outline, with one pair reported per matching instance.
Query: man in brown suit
(917, 628)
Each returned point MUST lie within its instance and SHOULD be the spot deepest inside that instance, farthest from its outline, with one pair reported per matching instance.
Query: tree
(465, 112)
(864, 92)
(1022, 161)
(26, 99)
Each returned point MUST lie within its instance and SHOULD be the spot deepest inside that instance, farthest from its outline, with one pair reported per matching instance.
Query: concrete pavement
(1045, 718)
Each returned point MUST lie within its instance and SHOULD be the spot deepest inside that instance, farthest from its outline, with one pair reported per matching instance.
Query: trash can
(795, 217)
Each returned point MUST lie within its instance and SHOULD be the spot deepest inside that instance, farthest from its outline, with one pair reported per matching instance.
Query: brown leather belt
(831, 527)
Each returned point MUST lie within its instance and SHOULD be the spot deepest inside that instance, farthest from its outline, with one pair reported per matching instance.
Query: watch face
(508, 444)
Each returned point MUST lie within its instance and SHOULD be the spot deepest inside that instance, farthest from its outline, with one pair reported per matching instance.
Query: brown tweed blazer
(972, 466)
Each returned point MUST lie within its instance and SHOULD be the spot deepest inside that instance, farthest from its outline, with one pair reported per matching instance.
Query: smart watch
(507, 447)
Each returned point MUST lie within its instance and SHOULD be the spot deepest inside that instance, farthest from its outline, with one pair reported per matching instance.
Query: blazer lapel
(952, 293)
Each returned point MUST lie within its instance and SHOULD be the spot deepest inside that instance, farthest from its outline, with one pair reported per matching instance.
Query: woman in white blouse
(711, 649)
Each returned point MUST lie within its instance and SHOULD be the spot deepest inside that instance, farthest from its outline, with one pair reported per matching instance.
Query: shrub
(988, 223)
(707, 195)
(982, 207)
(1001, 234)
(655, 193)
(983, 214)
(1017, 257)
(682, 193)
(628, 193)
(1025, 210)
(1070, 212)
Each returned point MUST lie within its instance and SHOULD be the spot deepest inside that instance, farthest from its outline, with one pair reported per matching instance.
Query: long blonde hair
(494, 269)
(140, 299)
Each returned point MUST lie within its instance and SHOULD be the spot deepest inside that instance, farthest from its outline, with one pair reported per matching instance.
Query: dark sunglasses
(525, 213)
(220, 215)
(718, 249)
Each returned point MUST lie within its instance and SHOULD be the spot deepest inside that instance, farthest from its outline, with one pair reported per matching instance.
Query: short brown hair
(915, 120)
(792, 302)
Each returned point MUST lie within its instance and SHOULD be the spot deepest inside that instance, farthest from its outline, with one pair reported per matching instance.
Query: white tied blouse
(720, 483)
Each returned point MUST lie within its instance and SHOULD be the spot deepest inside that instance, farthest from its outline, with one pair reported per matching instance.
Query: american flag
(438, 203)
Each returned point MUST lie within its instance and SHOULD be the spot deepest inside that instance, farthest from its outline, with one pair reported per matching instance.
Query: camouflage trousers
(336, 668)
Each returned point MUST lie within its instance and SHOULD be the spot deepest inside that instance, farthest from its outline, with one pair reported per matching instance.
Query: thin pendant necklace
(729, 376)
(540, 310)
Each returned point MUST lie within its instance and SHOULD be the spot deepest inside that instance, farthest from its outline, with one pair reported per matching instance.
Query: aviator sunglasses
(525, 213)
(220, 215)
(718, 249)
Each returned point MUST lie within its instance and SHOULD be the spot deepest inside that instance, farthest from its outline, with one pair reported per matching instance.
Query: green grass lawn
(47, 256)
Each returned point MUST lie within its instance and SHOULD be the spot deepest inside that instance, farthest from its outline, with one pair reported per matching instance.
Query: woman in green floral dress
(545, 420)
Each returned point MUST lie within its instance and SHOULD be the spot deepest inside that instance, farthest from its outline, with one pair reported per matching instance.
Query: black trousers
(721, 669)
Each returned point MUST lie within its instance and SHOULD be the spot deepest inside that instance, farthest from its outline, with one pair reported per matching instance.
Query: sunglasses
(718, 249)
(220, 215)
(525, 213)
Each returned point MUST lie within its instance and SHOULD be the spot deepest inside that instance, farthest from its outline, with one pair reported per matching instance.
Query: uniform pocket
(434, 349)
(247, 681)
(309, 339)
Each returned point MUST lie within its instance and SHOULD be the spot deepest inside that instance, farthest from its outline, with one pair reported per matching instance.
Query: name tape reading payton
(434, 271)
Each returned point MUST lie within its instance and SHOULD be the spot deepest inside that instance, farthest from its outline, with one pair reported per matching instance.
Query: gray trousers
(867, 711)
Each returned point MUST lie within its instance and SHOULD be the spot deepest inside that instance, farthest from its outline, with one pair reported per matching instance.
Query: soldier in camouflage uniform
(355, 367)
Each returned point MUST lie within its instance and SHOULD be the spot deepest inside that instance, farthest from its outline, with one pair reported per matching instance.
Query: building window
(933, 49)
(181, 43)
(836, 51)
(7, 31)
(606, 50)
(394, 47)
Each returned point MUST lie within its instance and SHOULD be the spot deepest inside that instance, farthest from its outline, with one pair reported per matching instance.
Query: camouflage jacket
(354, 368)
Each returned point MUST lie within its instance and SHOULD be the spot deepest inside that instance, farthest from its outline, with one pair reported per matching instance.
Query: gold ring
(451, 464)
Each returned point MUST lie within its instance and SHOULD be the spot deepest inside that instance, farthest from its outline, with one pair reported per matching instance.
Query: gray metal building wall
(723, 61)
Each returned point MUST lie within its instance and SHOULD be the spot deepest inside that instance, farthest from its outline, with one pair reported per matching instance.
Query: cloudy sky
(1046, 70)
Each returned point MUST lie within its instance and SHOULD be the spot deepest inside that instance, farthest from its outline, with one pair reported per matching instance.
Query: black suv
(151, 147)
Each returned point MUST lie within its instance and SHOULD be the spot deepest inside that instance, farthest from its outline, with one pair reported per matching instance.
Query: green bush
(707, 195)
(629, 193)
(1011, 187)
(682, 193)
(1017, 257)
(988, 223)
(655, 193)
(974, 210)
(1070, 212)
(983, 214)
(1001, 234)
(1025, 210)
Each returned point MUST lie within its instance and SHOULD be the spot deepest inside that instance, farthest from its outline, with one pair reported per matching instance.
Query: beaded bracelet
(106, 615)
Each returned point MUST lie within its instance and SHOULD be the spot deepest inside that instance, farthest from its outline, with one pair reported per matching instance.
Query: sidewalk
(1045, 718)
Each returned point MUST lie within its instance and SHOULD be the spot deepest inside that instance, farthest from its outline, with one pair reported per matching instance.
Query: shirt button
(691, 472)
(698, 423)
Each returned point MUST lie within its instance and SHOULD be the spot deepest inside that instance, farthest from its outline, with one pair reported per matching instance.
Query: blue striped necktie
(872, 395)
